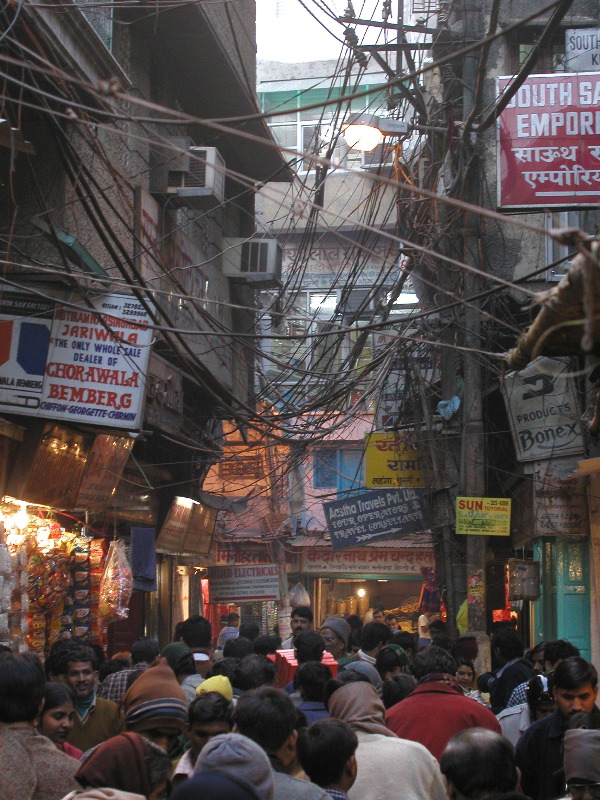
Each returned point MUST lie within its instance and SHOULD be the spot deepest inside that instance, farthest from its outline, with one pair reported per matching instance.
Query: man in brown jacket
(31, 766)
(96, 719)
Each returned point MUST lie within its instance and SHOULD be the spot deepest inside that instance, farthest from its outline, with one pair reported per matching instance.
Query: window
(551, 57)
(585, 219)
(325, 468)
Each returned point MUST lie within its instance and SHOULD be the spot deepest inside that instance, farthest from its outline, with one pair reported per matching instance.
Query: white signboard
(543, 411)
(564, 515)
(366, 561)
(242, 584)
(96, 370)
(582, 49)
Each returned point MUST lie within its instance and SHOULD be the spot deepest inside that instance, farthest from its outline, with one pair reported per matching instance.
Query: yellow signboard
(483, 516)
(392, 459)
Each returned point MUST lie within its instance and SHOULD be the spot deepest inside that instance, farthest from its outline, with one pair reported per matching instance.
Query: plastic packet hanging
(116, 585)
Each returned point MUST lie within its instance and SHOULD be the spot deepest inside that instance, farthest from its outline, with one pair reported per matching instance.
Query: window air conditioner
(254, 261)
(193, 175)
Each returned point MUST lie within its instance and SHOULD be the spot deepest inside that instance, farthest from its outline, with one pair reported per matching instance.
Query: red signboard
(549, 142)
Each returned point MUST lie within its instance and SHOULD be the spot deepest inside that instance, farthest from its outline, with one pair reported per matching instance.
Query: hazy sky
(287, 32)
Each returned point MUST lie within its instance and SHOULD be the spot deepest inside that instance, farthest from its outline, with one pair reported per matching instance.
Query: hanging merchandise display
(116, 585)
(49, 580)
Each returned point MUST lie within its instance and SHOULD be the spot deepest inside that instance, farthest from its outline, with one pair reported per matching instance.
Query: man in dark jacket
(539, 750)
(437, 709)
(507, 647)
(479, 764)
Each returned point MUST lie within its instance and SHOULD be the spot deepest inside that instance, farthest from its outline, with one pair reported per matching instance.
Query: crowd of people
(372, 713)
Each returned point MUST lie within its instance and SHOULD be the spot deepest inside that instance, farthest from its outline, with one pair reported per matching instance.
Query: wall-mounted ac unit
(193, 175)
(254, 261)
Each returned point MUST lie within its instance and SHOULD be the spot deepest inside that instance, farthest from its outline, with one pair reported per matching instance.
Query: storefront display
(49, 580)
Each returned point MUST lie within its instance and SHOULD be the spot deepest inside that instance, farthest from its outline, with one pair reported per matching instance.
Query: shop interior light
(364, 131)
(361, 592)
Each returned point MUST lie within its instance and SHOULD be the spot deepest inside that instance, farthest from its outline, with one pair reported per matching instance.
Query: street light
(365, 131)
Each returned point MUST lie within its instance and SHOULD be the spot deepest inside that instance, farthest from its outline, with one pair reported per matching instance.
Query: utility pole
(473, 443)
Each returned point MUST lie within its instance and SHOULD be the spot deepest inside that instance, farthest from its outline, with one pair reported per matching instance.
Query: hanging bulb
(21, 518)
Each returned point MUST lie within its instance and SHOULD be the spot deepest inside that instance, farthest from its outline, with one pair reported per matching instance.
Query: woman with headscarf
(125, 767)
(385, 762)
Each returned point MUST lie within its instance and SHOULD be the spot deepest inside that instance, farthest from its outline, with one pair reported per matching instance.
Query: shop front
(356, 580)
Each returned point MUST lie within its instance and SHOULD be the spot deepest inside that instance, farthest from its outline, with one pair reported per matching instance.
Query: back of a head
(391, 659)
(233, 618)
(539, 692)
(574, 672)
(237, 648)
(144, 650)
(324, 749)
(216, 786)
(249, 630)
(479, 763)
(558, 650)
(509, 642)
(397, 688)
(265, 645)
(374, 633)
(309, 646)
(267, 716)
(434, 660)
(239, 756)
(22, 687)
(405, 640)
(196, 632)
(210, 707)
(226, 667)
(343, 677)
(310, 679)
(254, 671)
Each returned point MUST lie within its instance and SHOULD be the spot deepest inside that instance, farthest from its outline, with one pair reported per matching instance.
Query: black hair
(539, 690)
(233, 617)
(21, 687)
(479, 763)
(266, 644)
(309, 646)
(354, 621)
(342, 678)
(433, 659)
(303, 611)
(249, 630)
(443, 642)
(99, 653)
(254, 671)
(57, 694)
(464, 662)
(196, 631)
(374, 633)
(396, 688)
(210, 707)
(574, 672)
(324, 749)
(509, 642)
(267, 716)
(389, 659)
(110, 667)
(378, 610)
(354, 640)
(78, 653)
(145, 649)
(185, 666)
(237, 648)
(404, 639)
(177, 632)
(589, 720)
(56, 663)
(132, 677)
(437, 625)
(224, 666)
(558, 650)
(390, 616)
(311, 678)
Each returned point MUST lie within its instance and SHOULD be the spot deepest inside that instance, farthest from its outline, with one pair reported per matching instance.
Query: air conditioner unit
(254, 261)
(193, 175)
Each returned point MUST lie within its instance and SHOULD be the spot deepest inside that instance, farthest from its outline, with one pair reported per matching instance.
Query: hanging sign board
(366, 561)
(369, 517)
(548, 146)
(483, 516)
(244, 583)
(543, 410)
(392, 459)
(582, 49)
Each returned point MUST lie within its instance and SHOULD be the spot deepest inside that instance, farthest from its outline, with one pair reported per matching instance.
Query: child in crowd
(326, 751)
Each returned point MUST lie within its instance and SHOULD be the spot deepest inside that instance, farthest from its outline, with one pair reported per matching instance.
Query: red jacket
(434, 712)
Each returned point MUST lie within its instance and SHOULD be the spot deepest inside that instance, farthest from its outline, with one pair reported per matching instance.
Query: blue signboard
(371, 516)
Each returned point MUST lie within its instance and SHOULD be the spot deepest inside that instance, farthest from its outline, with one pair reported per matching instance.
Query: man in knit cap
(234, 754)
(156, 706)
(582, 763)
(336, 633)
